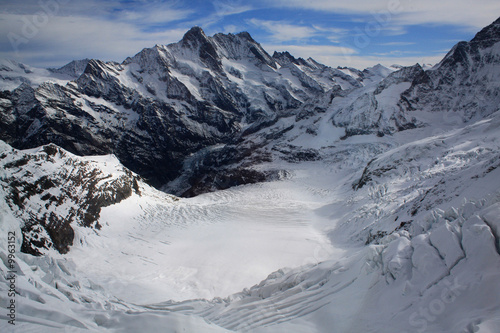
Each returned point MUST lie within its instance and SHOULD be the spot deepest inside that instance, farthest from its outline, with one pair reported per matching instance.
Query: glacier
(316, 200)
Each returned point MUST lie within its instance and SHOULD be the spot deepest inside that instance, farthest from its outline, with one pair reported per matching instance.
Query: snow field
(209, 246)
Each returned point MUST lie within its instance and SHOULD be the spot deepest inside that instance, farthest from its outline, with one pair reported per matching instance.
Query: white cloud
(231, 28)
(226, 8)
(473, 15)
(394, 53)
(333, 34)
(154, 15)
(62, 39)
(222, 10)
(283, 31)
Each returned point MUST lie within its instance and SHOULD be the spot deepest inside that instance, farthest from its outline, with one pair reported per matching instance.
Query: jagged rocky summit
(183, 112)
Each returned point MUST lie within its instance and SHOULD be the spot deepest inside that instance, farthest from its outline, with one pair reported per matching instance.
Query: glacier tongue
(380, 210)
(431, 262)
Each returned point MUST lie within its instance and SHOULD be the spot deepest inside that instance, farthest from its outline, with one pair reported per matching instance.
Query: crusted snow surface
(381, 234)
(366, 228)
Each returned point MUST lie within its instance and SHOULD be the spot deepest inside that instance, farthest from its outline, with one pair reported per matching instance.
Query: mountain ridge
(204, 91)
(190, 92)
(376, 200)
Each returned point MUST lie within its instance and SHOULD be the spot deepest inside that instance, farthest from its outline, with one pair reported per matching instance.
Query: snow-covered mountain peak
(488, 35)
(246, 35)
(8, 65)
(154, 60)
(202, 46)
(194, 37)
(475, 52)
(73, 69)
(371, 196)
(404, 74)
(284, 58)
(243, 46)
(13, 74)
(101, 69)
(54, 191)
(378, 72)
(466, 81)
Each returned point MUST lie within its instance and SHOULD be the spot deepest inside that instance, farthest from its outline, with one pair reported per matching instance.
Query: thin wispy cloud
(79, 37)
(54, 32)
(394, 53)
(231, 29)
(225, 8)
(283, 31)
(217, 11)
(409, 12)
(153, 15)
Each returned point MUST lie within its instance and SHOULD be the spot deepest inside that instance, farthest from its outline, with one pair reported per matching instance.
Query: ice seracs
(371, 201)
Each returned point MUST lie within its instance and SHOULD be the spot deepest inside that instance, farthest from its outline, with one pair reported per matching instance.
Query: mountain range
(377, 188)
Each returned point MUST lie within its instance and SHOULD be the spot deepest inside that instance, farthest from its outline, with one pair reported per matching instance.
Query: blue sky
(353, 33)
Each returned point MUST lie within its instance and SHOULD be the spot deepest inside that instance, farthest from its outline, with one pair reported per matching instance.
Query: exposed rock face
(466, 81)
(53, 191)
(156, 109)
(165, 103)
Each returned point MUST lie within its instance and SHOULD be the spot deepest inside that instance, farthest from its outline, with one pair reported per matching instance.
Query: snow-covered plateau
(304, 198)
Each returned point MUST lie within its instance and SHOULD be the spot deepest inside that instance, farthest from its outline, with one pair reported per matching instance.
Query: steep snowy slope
(158, 107)
(466, 81)
(431, 262)
(375, 108)
(394, 230)
(52, 297)
(53, 191)
(13, 74)
(417, 231)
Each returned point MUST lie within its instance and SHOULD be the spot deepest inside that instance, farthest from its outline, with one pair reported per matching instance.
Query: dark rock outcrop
(52, 191)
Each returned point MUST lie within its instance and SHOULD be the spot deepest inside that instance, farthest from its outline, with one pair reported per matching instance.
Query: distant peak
(283, 54)
(245, 35)
(196, 29)
(284, 57)
(195, 35)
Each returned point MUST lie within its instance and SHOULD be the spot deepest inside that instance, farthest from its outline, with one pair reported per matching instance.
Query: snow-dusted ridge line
(53, 191)
(184, 97)
(413, 247)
